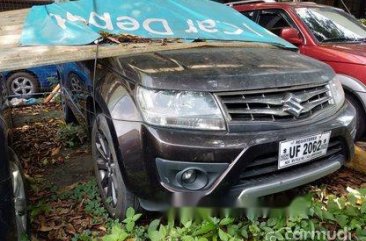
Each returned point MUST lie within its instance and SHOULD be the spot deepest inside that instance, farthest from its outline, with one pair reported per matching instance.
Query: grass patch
(72, 136)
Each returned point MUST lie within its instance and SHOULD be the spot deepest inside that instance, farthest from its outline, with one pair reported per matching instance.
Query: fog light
(197, 175)
(192, 178)
(189, 176)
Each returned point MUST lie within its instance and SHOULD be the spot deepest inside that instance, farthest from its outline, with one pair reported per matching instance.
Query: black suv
(13, 218)
(209, 126)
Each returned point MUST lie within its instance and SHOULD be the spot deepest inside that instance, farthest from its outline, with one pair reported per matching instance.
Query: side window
(252, 15)
(275, 20)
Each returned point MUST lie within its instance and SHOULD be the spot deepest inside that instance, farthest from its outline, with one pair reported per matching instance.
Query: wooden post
(54, 92)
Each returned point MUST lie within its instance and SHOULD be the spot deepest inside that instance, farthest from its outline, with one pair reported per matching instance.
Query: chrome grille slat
(277, 111)
(273, 100)
(308, 107)
(273, 105)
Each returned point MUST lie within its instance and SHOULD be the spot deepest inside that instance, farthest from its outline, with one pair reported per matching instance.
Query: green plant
(309, 215)
(131, 218)
(72, 135)
(53, 81)
(363, 21)
(85, 236)
(87, 190)
(88, 193)
(57, 98)
(117, 234)
(40, 208)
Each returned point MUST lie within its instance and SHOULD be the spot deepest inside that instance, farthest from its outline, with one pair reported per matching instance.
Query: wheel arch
(7, 76)
(102, 106)
(353, 87)
(352, 97)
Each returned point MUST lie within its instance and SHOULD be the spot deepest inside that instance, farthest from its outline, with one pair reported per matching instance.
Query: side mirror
(291, 35)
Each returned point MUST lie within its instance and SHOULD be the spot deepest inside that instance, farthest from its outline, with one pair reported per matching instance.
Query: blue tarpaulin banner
(81, 22)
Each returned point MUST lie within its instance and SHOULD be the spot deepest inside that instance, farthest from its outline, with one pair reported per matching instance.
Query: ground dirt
(52, 169)
(74, 164)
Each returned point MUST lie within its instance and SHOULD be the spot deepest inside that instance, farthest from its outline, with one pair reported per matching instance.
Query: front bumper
(142, 146)
(246, 194)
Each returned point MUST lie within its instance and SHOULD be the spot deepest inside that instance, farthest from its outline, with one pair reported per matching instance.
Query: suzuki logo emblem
(292, 105)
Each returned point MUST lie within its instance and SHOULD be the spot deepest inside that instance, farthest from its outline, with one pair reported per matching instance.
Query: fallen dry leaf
(55, 151)
(70, 229)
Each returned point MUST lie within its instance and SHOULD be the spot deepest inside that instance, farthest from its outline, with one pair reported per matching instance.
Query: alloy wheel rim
(20, 204)
(22, 86)
(106, 168)
(75, 84)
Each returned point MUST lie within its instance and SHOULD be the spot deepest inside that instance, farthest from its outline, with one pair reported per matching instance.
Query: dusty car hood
(224, 69)
(345, 53)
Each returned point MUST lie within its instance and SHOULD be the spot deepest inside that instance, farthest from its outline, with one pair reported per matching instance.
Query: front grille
(284, 104)
(268, 163)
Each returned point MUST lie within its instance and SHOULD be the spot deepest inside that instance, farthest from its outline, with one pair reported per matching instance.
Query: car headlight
(180, 109)
(337, 92)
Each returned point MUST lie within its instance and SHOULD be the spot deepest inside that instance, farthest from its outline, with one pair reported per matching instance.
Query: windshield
(331, 25)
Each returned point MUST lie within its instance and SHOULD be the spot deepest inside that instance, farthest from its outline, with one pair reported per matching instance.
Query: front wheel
(22, 84)
(114, 193)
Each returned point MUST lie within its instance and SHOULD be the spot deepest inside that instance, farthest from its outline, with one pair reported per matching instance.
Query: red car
(324, 33)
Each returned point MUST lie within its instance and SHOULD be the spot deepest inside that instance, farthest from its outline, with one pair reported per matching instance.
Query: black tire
(360, 116)
(69, 116)
(108, 172)
(29, 89)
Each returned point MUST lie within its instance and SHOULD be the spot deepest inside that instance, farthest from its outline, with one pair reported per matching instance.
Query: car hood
(345, 53)
(223, 69)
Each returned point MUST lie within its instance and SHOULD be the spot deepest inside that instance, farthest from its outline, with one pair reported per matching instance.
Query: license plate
(303, 149)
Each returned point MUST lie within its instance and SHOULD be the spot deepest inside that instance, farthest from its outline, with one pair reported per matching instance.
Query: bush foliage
(314, 214)
(72, 136)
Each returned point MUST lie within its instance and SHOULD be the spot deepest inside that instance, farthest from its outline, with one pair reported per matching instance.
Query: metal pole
(345, 6)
